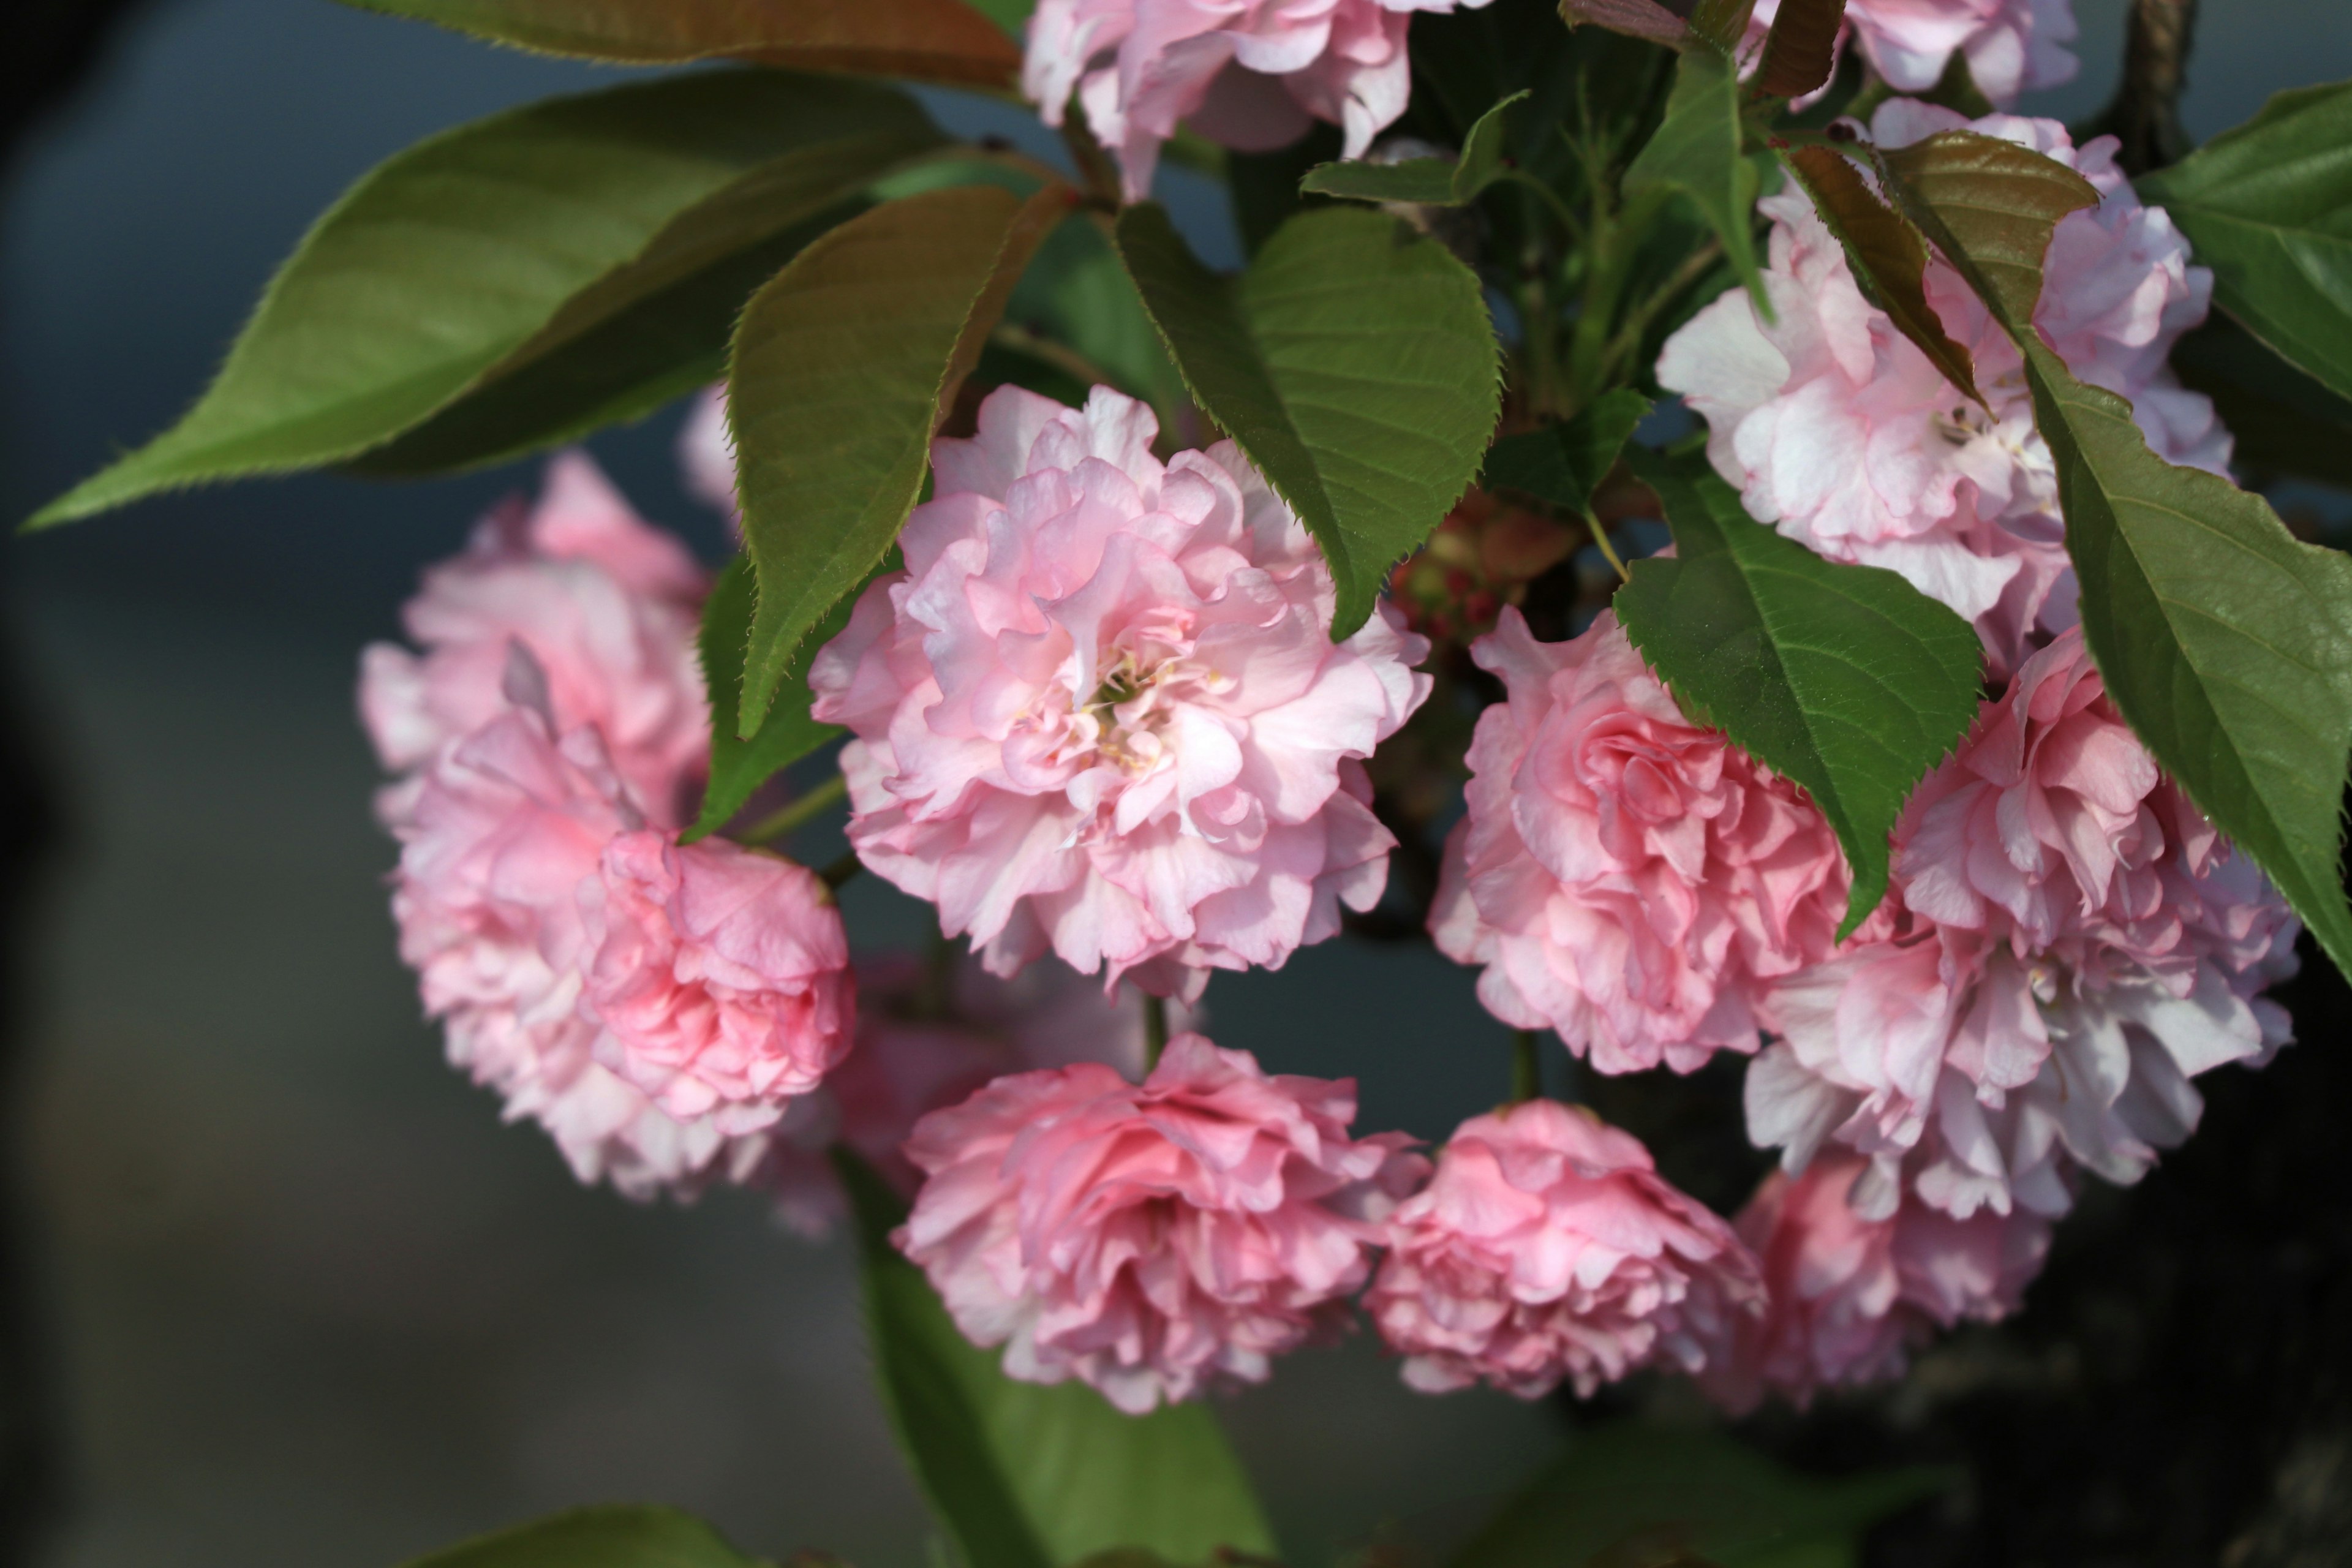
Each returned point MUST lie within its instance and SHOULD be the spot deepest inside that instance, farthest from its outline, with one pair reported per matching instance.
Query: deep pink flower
(1849, 1297)
(1843, 434)
(720, 975)
(1547, 1248)
(1250, 74)
(2075, 944)
(1627, 878)
(1149, 1239)
(1100, 712)
(608, 608)
(2011, 46)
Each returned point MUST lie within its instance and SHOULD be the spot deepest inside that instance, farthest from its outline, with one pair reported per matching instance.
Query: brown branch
(2146, 115)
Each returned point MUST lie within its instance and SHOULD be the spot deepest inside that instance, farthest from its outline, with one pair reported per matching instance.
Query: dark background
(302, 1299)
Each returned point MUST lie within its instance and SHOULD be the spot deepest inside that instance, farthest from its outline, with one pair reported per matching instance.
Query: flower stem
(1600, 538)
(797, 814)
(840, 871)
(1526, 1067)
(1155, 1029)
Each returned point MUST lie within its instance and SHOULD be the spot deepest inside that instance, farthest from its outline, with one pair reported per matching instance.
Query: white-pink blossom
(2074, 944)
(1249, 74)
(1100, 713)
(1628, 878)
(608, 608)
(1150, 1239)
(1848, 1297)
(1547, 1249)
(2011, 46)
(706, 452)
(1842, 434)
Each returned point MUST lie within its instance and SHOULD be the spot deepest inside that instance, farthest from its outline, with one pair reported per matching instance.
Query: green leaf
(1626, 1494)
(1846, 678)
(1353, 363)
(1635, 19)
(2225, 642)
(1800, 50)
(843, 366)
(1562, 465)
(1885, 254)
(602, 1537)
(739, 766)
(2285, 422)
(520, 248)
(1723, 23)
(1696, 152)
(930, 40)
(2268, 206)
(1028, 1475)
(1427, 181)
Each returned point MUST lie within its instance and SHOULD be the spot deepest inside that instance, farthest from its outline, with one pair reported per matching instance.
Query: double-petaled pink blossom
(608, 608)
(1842, 434)
(1848, 1297)
(1250, 74)
(1149, 1239)
(1100, 713)
(1547, 1249)
(2074, 944)
(1627, 878)
(2011, 46)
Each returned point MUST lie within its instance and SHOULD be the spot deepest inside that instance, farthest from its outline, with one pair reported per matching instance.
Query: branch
(2146, 114)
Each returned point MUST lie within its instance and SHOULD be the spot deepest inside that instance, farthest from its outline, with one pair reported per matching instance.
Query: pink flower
(720, 975)
(2011, 46)
(503, 832)
(2076, 943)
(1843, 434)
(1148, 1239)
(1849, 1297)
(706, 452)
(608, 609)
(1627, 878)
(929, 1035)
(1547, 1248)
(1250, 74)
(1100, 712)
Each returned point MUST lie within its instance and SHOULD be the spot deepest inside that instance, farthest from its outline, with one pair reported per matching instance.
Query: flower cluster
(656, 1006)
(1842, 434)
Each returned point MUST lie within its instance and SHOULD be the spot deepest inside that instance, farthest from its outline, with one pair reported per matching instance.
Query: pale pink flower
(2075, 944)
(608, 609)
(1627, 878)
(501, 834)
(1844, 436)
(1150, 1239)
(929, 1035)
(1849, 1297)
(1249, 74)
(1100, 712)
(706, 452)
(2011, 46)
(720, 975)
(1547, 1249)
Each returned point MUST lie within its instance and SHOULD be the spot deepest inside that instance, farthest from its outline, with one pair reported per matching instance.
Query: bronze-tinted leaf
(1990, 205)
(1635, 19)
(1800, 51)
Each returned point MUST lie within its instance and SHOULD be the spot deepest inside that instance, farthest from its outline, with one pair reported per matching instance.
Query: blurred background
(275, 1286)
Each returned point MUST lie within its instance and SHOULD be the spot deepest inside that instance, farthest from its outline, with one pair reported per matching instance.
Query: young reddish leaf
(843, 364)
(1990, 205)
(1723, 23)
(1800, 51)
(1635, 19)
(930, 40)
(1888, 258)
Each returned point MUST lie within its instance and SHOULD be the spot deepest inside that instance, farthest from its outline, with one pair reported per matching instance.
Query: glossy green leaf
(2268, 206)
(1635, 18)
(2225, 642)
(930, 40)
(2285, 422)
(1887, 257)
(515, 245)
(1627, 1495)
(739, 766)
(1562, 465)
(843, 366)
(1426, 182)
(1027, 1476)
(1846, 678)
(1695, 154)
(1354, 364)
(605, 1537)
(1801, 49)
